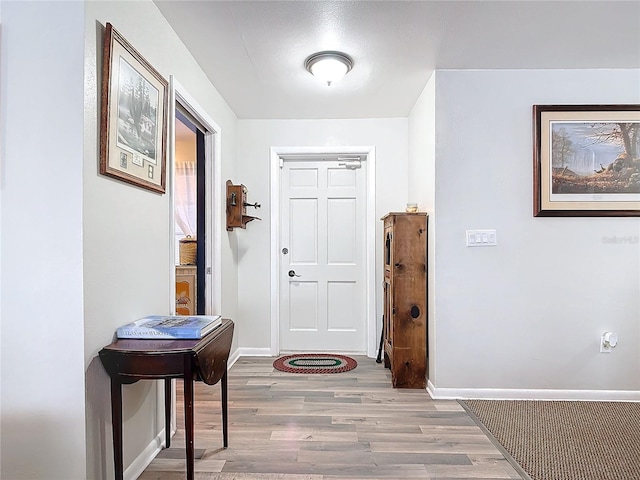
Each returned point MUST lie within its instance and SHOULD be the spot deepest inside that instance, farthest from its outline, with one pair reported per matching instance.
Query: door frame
(213, 194)
(213, 198)
(370, 235)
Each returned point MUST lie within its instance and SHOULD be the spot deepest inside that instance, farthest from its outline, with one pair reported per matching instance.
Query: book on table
(170, 326)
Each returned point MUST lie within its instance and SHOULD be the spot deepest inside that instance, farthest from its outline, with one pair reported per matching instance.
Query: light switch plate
(481, 238)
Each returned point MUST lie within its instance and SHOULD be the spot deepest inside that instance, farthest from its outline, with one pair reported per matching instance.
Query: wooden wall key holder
(237, 206)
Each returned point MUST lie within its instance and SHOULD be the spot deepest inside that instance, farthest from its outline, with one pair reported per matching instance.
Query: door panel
(323, 305)
(303, 306)
(301, 177)
(303, 232)
(341, 177)
(341, 306)
(341, 231)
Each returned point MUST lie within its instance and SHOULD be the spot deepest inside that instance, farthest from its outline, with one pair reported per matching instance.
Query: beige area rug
(561, 440)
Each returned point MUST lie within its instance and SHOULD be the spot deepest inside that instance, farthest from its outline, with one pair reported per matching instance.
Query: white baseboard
(143, 460)
(531, 394)
(248, 352)
(254, 352)
(233, 358)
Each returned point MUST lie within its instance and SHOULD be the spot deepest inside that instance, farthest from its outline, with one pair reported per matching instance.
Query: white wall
(126, 232)
(43, 421)
(255, 138)
(527, 314)
(2, 116)
(422, 189)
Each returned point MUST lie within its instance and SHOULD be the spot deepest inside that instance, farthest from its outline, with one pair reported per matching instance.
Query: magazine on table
(170, 326)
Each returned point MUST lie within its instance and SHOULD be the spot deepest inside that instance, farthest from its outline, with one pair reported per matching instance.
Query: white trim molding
(247, 352)
(142, 461)
(531, 394)
(213, 230)
(370, 229)
(213, 196)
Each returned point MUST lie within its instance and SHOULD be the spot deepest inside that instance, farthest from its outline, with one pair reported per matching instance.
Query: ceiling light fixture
(329, 66)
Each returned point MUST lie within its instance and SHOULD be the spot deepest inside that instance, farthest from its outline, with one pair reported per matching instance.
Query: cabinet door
(388, 315)
(388, 291)
(409, 282)
(186, 290)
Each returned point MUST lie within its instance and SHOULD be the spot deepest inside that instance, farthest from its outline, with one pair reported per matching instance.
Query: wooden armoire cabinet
(405, 298)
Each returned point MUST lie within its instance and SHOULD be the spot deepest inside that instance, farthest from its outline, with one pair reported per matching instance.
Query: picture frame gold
(586, 160)
(133, 114)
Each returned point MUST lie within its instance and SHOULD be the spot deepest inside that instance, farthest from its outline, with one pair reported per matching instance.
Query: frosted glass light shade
(329, 66)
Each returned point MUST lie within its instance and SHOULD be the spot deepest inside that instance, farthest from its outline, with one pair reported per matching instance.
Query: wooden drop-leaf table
(129, 360)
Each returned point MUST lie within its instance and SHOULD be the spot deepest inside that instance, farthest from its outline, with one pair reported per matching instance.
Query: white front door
(323, 261)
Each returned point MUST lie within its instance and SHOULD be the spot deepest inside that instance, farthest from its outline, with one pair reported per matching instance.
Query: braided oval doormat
(565, 440)
(315, 363)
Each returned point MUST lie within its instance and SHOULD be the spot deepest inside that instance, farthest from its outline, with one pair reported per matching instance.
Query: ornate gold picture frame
(133, 131)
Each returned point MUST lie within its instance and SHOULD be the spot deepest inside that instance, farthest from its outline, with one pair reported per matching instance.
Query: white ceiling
(254, 51)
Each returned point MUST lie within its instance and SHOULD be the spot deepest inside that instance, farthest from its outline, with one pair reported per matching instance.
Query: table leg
(188, 415)
(116, 422)
(167, 412)
(225, 413)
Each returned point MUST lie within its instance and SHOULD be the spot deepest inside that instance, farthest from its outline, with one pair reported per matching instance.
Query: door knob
(292, 273)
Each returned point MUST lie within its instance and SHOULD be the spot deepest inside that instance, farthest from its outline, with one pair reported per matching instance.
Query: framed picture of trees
(586, 160)
(133, 116)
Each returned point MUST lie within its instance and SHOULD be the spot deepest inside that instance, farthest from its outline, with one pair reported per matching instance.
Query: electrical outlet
(604, 347)
(608, 340)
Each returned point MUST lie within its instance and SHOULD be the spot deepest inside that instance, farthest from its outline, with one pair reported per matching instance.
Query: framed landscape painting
(133, 116)
(586, 160)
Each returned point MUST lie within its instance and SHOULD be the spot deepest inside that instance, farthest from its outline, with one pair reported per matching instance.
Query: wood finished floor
(352, 425)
